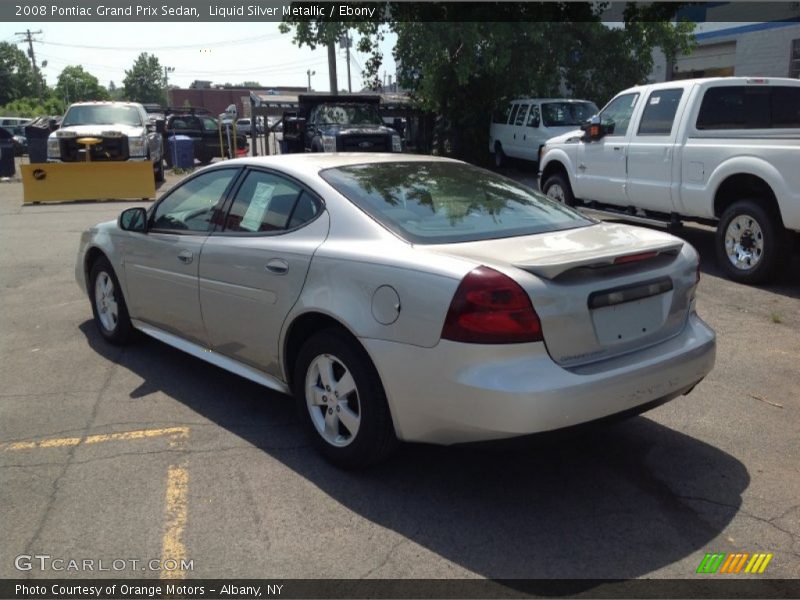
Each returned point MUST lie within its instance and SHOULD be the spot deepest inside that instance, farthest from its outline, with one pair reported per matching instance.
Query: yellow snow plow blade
(64, 182)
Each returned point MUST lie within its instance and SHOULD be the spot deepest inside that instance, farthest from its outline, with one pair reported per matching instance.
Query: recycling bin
(181, 152)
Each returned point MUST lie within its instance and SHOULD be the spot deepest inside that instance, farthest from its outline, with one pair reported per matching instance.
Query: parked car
(13, 121)
(403, 297)
(204, 130)
(244, 126)
(721, 151)
(524, 125)
(124, 129)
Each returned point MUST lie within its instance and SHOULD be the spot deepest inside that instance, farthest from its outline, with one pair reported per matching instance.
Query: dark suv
(204, 130)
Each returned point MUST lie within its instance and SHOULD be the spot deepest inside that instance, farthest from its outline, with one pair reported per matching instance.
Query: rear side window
(750, 107)
(659, 112)
(523, 110)
(268, 203)
(513, 114)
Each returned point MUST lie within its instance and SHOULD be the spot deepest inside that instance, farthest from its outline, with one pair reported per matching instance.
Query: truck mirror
(593, 129)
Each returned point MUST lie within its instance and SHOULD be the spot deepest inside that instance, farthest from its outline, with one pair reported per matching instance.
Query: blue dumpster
(7, 168)
(181, 152)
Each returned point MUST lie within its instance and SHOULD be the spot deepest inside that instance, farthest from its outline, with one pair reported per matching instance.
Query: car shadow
(619, 501)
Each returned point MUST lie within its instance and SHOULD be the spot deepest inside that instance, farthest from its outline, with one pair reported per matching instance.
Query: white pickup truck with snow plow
(720, 151)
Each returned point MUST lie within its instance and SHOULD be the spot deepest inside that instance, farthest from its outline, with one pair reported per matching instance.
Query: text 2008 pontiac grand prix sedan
(403, 298)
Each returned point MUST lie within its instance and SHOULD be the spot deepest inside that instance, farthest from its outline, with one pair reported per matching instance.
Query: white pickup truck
(720, 151)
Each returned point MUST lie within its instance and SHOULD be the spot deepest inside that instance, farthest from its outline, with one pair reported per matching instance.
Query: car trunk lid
(600, 291)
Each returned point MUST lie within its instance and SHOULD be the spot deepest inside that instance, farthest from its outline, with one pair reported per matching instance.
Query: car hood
(101, 130)
(566, 135)
(550, 254)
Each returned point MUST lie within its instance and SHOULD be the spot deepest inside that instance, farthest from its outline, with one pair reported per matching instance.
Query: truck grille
(111, 148)
(365, 143)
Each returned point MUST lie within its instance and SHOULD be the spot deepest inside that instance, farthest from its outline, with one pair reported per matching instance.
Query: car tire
(353, 429)
(499, 156)
(108, 304)
(752, 244)
(557, 188)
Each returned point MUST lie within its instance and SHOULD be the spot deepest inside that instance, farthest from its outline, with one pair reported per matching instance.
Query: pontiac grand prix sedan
(403, 297)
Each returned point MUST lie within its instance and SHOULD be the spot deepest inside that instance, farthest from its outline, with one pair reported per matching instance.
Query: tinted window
(785, 104)
(210, 124)
(750, 107)
(266, 202)
(442, 202)
(616, 116)
(659, 112)
(182, 123)
(533, 116)
(523, 111)
(190, 206)
(567, 114)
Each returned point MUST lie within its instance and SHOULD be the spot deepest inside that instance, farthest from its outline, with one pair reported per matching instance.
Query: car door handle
(278, 266)
(185, 256)
(617, 147)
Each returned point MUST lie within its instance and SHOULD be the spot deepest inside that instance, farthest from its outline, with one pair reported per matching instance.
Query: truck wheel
(558, 188)
(752, 244)
(499, 155)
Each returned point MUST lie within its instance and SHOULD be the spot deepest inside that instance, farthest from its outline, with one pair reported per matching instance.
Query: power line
(236, 42)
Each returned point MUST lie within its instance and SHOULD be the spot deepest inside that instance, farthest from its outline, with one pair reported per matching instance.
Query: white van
(527, 123)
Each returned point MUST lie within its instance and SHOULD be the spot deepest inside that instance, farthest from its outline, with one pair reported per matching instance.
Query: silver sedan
(403, 298)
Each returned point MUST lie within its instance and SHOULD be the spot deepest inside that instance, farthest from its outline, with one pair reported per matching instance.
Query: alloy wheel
(332, 400)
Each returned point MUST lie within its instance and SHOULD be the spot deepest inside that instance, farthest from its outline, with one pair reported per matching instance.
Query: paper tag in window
(655, 99)
(252, 219)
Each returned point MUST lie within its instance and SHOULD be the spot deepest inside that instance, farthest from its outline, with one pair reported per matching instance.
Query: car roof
(104, 103)
(685, 83)
(316, 161)
(549, 100)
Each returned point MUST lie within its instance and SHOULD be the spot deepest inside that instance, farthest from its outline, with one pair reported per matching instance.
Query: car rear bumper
(455, 392)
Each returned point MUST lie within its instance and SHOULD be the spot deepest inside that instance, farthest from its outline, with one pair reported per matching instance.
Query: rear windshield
(102, 114)
(442, 202)
(567, 114)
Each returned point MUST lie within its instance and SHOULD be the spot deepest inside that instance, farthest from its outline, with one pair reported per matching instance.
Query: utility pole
(28, 34)
(345, 42)
(332, 68)
(167, 71)
(309, 72)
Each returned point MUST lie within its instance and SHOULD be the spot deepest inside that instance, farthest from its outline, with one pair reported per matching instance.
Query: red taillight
(491, 308)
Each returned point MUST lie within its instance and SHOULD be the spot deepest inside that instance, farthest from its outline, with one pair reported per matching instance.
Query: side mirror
(592, 129)
(133, 219)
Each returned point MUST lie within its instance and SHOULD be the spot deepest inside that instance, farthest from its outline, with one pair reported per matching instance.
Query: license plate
(629, 321)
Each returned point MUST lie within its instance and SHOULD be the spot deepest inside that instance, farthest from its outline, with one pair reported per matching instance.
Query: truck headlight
(137, 146)
(329, 143)
(53, 148)
(397, 145)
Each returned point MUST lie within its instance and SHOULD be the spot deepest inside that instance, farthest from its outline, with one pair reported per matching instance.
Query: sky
(227, 52)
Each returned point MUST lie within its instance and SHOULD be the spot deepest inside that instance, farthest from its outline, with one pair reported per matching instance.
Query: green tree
(74, 85)
(17, 77)
(144, 82)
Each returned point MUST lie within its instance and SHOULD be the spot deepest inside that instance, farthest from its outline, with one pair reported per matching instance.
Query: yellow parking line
(95, 439)
(176, 512)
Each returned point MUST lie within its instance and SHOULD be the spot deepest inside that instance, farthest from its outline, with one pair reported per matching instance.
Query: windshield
(102, 114)
(443, 202)
(567, 114)
(348, 114)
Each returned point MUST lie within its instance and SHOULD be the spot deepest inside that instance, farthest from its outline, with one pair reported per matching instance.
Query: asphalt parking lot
(145, 453)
